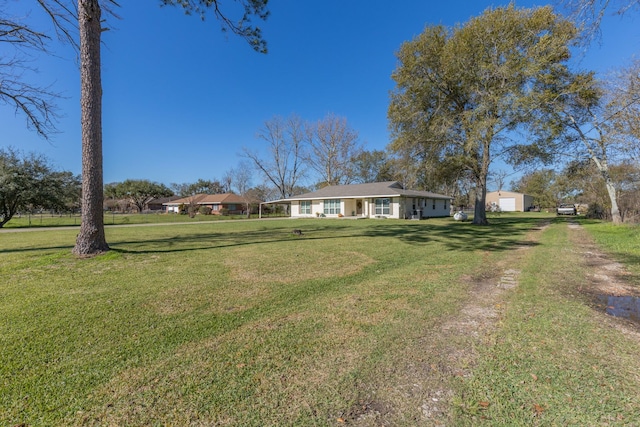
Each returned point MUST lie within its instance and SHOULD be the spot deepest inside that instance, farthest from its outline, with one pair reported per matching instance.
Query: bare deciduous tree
(499, 178)
(241, 183)
(283, 164)
(333, 147)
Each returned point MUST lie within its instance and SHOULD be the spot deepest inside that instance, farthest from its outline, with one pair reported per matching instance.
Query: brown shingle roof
(375, 189)
(208, 199)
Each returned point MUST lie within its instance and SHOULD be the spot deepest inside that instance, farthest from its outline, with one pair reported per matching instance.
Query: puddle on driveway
(627, 307)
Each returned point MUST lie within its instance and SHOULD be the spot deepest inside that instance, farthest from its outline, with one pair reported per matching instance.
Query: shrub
(595, 211)
(224, 211)
(205, 210)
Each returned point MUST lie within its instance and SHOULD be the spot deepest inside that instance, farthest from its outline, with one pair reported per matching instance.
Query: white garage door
(508, 204)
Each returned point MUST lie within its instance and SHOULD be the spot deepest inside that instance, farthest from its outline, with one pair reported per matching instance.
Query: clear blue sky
(181, 98)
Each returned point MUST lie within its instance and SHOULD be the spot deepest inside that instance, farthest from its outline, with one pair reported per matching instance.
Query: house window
(332, 207)
(434, 203)
(383, 206)
(305, 207)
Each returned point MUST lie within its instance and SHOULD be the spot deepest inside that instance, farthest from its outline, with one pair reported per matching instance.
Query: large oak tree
(27, 182)
(138, 191)
(463, 92)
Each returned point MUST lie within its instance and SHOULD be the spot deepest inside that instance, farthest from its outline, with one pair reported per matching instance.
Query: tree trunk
(480, 210)
(91, 239)
(616, 218)
(603, 167)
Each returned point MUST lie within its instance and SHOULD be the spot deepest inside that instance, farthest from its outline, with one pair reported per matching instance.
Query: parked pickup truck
(566, 209)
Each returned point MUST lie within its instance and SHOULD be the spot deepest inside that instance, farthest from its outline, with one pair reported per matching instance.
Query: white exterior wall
(366, 208)
(436, 208)
(401, 208)
(427, 208)
(349, 206)
(395, 208)
(316, 207)
(394, 205)
(295, 210)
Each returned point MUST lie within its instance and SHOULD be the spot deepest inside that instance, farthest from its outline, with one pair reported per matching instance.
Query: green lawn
(555, 360)
(244, 323)
(620, 242)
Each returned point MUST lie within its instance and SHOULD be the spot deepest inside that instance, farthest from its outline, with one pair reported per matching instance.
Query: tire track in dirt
(604, 277)
(450, 349)
(480, 316)
(460, 337)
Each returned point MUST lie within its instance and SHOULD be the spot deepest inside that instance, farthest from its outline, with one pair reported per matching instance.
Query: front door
(358, 207)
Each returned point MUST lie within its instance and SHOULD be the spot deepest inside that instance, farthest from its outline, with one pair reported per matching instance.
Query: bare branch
(13, 32)
(64, 19)
(243, 27)
(588, 14)
(37, 103)
(283, 165)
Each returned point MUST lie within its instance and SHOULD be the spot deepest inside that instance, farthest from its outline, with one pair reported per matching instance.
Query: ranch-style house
(374, 200)
(232, 202)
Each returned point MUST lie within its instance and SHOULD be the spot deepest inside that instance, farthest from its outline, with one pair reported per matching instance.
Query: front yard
(376, 322)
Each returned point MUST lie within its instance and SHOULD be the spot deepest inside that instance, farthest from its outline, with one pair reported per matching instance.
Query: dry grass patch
(299, 263)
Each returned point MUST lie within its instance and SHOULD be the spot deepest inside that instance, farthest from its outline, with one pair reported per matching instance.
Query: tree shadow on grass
(35, 249)
(502, 234)
(205, 241)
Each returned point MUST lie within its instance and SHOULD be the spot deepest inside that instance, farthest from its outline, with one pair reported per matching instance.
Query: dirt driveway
(451, 348)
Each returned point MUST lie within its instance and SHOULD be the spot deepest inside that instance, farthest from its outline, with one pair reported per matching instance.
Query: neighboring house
(375, 200)
(158, 205)
(232, 202)
(509, 201)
